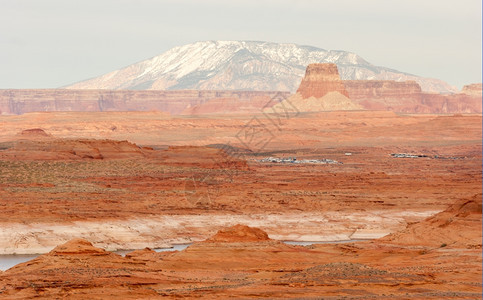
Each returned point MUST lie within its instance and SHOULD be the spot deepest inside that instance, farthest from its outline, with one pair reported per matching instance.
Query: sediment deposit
(152, 194)
(242, 261)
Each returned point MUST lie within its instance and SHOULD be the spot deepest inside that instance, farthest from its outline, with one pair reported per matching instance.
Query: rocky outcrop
(77, 247)
(34, 133)
(320, 90)
(474, 89)
(252, 267)
(457, 226)
(443, 104)
(173, 102)
(30, 147)
(239, 233)
(319, 80)
(408, 97)
(383, 90)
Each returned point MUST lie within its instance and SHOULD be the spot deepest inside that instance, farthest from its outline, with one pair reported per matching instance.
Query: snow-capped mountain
(243, 65)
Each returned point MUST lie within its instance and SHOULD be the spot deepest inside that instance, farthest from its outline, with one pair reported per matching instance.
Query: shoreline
(166, 231)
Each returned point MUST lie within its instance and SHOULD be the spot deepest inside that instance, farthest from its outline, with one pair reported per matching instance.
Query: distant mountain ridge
(244, 65)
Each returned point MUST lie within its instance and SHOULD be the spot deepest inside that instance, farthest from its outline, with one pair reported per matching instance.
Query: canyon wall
(474, 89)
(408, 97)
(174, 102)
(320, 82)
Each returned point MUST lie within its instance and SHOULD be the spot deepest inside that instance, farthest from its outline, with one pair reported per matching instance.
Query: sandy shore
(164, 231)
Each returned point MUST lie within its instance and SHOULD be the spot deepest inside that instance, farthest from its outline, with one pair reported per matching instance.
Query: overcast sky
(51, 43)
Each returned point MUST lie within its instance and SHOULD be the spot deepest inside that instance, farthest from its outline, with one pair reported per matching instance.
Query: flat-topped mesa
(321, 79)
(172, 102)
(474, 89)
(382, 89)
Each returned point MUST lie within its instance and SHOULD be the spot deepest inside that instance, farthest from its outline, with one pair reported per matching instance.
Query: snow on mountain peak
(242, 65)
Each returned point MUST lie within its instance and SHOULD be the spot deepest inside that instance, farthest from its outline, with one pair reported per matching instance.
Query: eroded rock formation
(173, 102)
(242, 262)
(474, 89)
(407, 97)
(36, 144)
(235, 105)
(321, 89)
(321, 79)
(239, 233)
(457, 226)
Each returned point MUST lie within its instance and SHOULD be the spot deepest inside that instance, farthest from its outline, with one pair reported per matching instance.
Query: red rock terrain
(321, 88)
(190, 192)
(36, 144)
(321, 79)
(234, 105)
(474, 89)
(243, 262)
(239, 233)
(163, 190)
(381, 95)
(174, 102)
(407, 97)
(456, 227)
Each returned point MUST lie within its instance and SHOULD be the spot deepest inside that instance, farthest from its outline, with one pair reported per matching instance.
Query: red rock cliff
(474, 89)
(174, 102)
(382, 89)
(321, 79)
(407, 97)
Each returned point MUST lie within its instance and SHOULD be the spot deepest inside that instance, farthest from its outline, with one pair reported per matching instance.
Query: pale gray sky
(51, 43)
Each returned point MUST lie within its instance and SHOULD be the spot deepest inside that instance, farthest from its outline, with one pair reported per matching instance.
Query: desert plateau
(278, 195)
(251, 149)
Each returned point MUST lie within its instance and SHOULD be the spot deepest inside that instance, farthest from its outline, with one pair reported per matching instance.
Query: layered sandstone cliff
(321, 79)
(378, 94)
(174, 102)
(474, 89)
(408, 97)
(234, 105)
(321, 89)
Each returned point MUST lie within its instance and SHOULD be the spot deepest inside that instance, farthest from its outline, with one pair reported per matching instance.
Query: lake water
(8, 261)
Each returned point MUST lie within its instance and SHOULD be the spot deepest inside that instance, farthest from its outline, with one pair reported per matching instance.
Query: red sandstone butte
(239, 233)
(321, 79)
